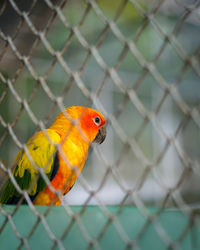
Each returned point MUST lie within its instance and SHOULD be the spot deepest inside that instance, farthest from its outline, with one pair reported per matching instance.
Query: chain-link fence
(137, 62)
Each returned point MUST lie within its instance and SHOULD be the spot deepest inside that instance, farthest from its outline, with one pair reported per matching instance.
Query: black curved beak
(101, 135)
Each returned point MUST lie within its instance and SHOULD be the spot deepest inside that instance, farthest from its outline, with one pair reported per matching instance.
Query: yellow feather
(42, 151)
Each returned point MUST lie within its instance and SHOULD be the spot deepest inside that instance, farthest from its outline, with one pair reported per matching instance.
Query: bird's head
(89, 123)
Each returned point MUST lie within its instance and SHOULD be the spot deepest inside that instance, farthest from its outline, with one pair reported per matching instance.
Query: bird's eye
(97, 120)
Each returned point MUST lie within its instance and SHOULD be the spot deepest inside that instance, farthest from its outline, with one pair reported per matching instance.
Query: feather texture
(43, 154)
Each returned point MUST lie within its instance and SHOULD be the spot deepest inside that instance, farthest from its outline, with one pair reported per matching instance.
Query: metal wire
(111, 76)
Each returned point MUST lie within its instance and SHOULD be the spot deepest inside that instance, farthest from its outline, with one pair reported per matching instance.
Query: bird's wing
(44, 155)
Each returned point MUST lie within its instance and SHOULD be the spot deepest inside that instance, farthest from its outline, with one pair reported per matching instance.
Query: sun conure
(61, 151)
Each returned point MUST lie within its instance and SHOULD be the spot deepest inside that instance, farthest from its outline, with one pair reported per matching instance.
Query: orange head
(87, 121)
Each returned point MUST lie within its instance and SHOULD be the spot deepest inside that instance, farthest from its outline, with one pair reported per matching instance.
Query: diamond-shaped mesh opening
(136, 62)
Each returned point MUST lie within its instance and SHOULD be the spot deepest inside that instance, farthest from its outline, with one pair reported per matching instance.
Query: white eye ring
(97, 120)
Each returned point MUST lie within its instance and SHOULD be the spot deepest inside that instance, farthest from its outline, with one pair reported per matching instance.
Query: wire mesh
(135, 61)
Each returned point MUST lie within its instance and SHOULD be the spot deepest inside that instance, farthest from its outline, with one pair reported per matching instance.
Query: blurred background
(151, 99)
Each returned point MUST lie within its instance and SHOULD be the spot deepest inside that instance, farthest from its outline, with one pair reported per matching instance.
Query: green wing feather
(43, 154)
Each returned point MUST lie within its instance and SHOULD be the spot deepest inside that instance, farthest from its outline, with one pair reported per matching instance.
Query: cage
(136, 62)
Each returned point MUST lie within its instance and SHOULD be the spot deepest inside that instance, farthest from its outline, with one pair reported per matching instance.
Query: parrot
(60, 151)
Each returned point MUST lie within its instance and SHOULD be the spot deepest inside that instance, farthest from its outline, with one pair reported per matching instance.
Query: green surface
(171, 223)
